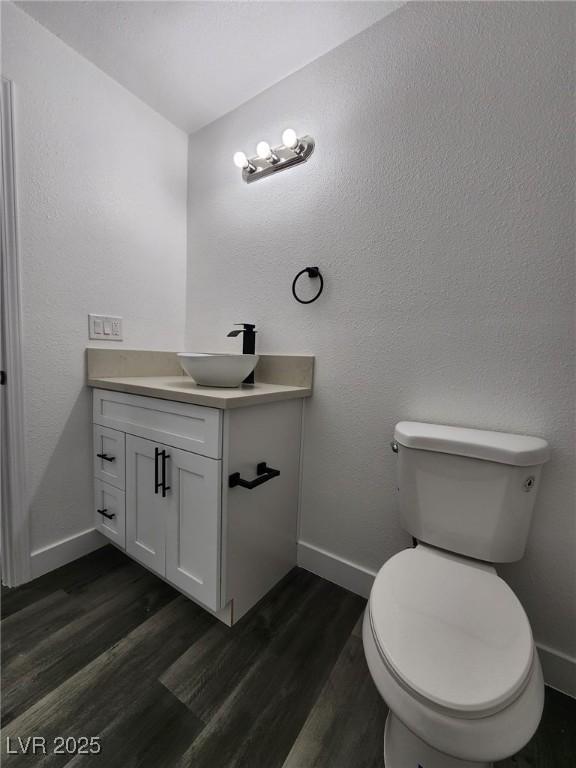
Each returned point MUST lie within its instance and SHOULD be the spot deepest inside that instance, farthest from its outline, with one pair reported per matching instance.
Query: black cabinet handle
(165, 457)
(157, 483)
(263, 471)
(104, 512)
(105, 457)
(160, 485)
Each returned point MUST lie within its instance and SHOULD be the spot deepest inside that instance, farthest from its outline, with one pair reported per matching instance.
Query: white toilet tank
(469, 491)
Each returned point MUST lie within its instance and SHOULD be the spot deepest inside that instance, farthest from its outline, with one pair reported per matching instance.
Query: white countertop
(184, 390)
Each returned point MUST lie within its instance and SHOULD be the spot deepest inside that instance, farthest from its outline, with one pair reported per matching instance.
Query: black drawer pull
(263, 471)
(105, 457)
(104, 512)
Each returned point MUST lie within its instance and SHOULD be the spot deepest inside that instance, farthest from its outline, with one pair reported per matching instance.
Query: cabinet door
(109, 512)
(146, 510)
(109, 455)
(193, 526)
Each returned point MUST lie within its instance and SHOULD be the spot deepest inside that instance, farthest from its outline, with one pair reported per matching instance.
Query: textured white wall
(102, 209)
(439, 204)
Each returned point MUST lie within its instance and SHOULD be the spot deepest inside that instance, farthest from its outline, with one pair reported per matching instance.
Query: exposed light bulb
(263, 150)
(240, 160)
(289, 138)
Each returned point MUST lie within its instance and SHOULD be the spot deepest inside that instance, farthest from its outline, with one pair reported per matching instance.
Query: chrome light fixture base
(286, 158)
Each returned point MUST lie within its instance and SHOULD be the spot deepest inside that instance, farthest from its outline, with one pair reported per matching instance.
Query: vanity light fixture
(268, 160)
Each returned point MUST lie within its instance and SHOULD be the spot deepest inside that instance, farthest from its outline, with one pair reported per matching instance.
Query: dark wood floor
(103, 648)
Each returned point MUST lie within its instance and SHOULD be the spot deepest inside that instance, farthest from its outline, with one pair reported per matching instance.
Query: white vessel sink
(213, 370)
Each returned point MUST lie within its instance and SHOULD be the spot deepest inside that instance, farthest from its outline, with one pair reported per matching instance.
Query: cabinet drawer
(109, 456)
(193, 428)
(109, 512)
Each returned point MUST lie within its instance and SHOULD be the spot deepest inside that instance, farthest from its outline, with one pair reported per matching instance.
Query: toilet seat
(451, 631)
(491, 738)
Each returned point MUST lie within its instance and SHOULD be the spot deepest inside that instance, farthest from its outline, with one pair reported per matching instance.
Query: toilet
(447, 641)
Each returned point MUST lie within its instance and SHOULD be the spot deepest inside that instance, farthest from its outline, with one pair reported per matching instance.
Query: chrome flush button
(529, 483)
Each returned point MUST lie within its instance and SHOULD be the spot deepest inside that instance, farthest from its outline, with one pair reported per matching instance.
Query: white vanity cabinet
(164, 493)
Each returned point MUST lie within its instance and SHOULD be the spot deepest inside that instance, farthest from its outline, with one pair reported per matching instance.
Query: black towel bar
(263, 471)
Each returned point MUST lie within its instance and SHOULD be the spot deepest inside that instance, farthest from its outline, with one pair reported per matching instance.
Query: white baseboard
(559, 669)
(337, 569)
(62, 552)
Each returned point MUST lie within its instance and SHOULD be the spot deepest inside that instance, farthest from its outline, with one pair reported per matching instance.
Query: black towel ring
(312, 272)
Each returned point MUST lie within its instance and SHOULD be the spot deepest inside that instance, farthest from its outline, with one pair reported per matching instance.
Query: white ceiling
(195, 61)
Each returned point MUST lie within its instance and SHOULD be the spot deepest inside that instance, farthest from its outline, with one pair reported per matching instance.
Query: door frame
(15, 542)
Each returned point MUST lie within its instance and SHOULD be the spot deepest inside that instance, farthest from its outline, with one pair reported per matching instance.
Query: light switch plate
(105, 328)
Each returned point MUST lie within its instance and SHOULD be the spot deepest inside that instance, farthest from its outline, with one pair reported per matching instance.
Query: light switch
(105, 327)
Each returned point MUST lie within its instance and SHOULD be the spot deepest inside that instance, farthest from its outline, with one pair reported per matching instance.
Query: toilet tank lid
(501, 447)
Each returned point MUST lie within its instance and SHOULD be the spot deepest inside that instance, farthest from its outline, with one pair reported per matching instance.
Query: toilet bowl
(447, 641)
(450, 649)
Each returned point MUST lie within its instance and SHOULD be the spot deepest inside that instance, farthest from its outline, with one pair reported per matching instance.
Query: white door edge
(14, 511)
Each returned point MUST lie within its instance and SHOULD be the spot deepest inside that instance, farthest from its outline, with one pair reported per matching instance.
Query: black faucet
(248, 344)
